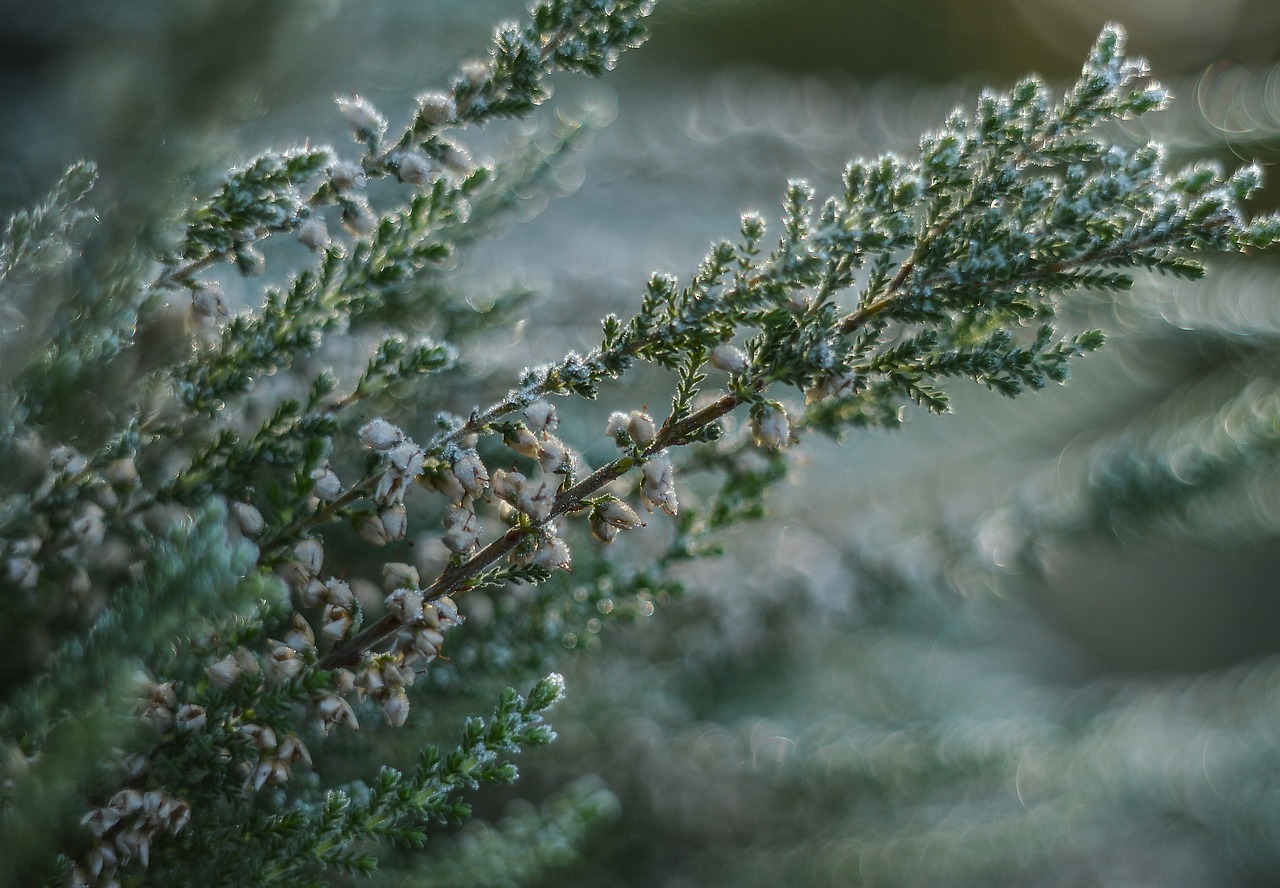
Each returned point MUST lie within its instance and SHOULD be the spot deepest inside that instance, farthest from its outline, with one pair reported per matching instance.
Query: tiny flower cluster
(123, 830)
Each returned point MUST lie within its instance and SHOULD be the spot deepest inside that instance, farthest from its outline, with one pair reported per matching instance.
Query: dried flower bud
(327, 486)
(395, 521)
(380, 435)
(770, 428)
(728, 358)
(398, 575)
(248, 518)
(436, 109)
(314, 234)
(657, 488)
(362, 117)
(413, 169)
(604, 532)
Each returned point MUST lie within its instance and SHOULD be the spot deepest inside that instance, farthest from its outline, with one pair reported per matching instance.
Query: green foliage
(208, 582)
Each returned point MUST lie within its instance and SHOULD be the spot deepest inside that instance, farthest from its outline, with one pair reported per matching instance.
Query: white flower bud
(395, 709)
(346, 176)
(395, 521)
(191, 717)
(462, 530)
(398, 575)
(246, 660)
(283, 663)
(405, 605)
(554, 456)
(338, 592)
(309, 553)
(370, 529)
(380, 435)
(601, 530)
(327, 486)
(552, 552)
(522, 441)
(333, 711)
(471, 474)
(413, 169)
(436, 109)
(336, 622)
(641, 428)
(248, 518)
(22, 572)
(770, 428)
(311, 593)
(617, 424)
(100, 820)
(369, 681)
(728, 358)
(292, 749)
(541, 416)
(125, 802)
(314, 234)
(208, 303)
(223, 674)
(301, 637)
(475, 72)
(536, 499)
(657, 487)
(616, 513)
(67, 460)
(507, 484)
(445, 483)
(362, 117)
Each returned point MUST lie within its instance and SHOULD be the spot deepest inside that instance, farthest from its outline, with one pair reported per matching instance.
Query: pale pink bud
(507, 485)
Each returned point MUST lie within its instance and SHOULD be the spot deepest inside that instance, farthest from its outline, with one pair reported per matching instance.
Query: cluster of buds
(535, 497)
(421, 634)
(658, 485)
(609, 516)
(534, 439)
(275, 757)
(543, 548)
(383, 678)
(123, 830)
(461, 527)
(635, 428)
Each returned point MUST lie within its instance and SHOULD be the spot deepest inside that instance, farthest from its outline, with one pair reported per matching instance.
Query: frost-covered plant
(195, 605)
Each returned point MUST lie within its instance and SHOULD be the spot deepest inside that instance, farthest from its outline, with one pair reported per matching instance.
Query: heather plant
(206, 524)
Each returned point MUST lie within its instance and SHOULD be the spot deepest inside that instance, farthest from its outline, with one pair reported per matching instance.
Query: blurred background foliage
(1029, 643)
